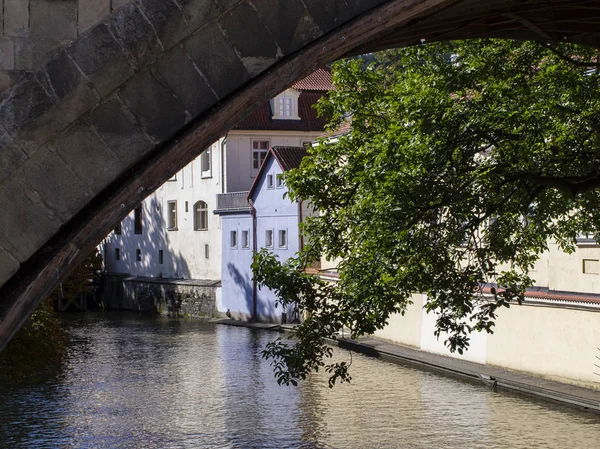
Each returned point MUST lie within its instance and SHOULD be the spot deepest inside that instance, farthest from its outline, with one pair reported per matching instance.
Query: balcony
(232, 202)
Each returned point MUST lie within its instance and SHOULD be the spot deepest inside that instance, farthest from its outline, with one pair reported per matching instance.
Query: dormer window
(285, 105)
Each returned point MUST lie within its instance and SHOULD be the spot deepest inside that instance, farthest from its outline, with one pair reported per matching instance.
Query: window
(279, 181)
(259, 153)
(117, 253)
(172, 215)
(186, 207)
(269, 181)
(285, 106)
(269, 238)
(138, 255)
(206, 164)
(137, 220)
(206, 250)
(173, 178)
(591, 266)
(282, 238)
(200, 216)
(233, 239)
(246, 239)
(161, 257)
(118, 229)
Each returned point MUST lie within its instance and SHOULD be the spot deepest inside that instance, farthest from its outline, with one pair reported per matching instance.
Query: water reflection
(134, 382)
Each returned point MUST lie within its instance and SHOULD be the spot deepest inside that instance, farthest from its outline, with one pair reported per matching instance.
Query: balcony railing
(234, 201)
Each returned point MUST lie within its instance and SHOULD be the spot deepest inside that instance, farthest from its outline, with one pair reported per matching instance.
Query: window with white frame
(259, 153)
(285, 105)
(269, 238)
(282, 238)
(279, 181)
(206, 164)
(245, 239)
(206, 251)
(172, 215)
(233, 239)
(200, 216)
(269, 181)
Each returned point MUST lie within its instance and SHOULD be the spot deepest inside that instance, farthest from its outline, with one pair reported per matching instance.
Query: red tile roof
(320, 79)
(311, 88)
(289, 157)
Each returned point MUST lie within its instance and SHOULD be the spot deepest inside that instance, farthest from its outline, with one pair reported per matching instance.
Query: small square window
(117, 253)
(233, 239)
(282, 238)
(269, 238)
(279, 181)
(138, 255)
(161, 258)
(246, 239)
(269, 181)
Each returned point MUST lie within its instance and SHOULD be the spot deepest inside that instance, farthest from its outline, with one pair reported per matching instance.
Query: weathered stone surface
(7, 53)
(59, 188)
(16, 18)
(22, 111)
(87, 156)
(289, 23)
(186, 82)
(102, 59)
(5, 82)
(120, 131)
(63, 75)
(328, 15)
(356, 7)
(31, 53)
(198, 12)
(26, 223)
(217, 60)
(135, 34)
(90, 12)
(116, 4)
(167, 19)
(11, 156)
(257, 53)
(160, 113)
(8, 265)
(56, 19)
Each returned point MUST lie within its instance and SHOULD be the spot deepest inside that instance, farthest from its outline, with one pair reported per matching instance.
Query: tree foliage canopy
(464, 159)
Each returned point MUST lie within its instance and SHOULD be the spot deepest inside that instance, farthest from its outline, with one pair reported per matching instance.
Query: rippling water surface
(135, 382)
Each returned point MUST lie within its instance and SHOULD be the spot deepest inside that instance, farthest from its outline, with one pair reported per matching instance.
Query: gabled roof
(287, 158)
(311, 89)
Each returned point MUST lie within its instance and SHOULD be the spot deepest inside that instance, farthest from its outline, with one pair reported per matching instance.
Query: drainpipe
(222, 169)
(301, 236)
(254, 250)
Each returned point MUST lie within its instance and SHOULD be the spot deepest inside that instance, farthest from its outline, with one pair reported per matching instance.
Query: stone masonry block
(59, 188)
(8, 265)
(160, 113)
(356, 7)
(135, 34)
(116, 4)
(91, 12)
(217, 60)
(11, 155)
(167, 19)
(16, 18)
(7, 53)
(120, 131)
(199, 12)
(258, 52)
(289, 23)
(330, 14)
(87, 156)
(32, 52)
(185, 82)
(28, 223)
(102, 59)
(56, 19)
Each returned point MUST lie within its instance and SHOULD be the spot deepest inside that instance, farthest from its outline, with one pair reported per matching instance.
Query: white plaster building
(174, 233)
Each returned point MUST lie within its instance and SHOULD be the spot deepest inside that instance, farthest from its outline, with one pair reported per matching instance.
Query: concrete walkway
(492, 376)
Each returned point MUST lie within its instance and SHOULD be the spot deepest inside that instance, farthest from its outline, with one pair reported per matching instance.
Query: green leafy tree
(463, 161)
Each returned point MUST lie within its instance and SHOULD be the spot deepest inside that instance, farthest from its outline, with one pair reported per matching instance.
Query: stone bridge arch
(111, 116)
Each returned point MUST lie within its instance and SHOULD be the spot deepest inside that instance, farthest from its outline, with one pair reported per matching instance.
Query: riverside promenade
(499, 379)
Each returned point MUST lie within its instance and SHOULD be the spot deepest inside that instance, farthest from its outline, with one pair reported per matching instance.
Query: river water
(139, 382)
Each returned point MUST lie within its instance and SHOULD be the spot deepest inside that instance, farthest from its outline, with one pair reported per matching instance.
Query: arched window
(200, 216)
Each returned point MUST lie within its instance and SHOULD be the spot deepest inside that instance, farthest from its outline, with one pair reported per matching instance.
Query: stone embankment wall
(172, 297)
(32, 30)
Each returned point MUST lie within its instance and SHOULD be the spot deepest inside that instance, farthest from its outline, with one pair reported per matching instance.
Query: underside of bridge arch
(111, 117)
